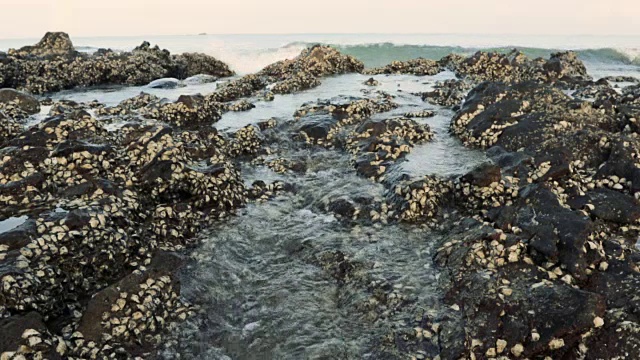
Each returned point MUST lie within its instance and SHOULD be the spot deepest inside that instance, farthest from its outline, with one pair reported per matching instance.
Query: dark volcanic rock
(159, 284)
(25, 102)
(28, 335)
(483, 175)
(609, 205)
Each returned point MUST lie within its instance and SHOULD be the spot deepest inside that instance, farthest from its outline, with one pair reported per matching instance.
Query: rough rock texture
(53, 64)
(376, 145)
(544, 264)
(27, 103)
(288, 76)
(536, 252)
(420, 67)
(447, 93)
(105, 206)
(563, 68)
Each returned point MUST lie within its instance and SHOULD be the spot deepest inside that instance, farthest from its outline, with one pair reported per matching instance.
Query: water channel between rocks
(257, 277)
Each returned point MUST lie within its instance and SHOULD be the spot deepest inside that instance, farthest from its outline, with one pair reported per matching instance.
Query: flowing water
(258, 277)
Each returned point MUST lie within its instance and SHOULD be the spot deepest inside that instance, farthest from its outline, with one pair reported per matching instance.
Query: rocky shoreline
(536, 249)
(53, 64)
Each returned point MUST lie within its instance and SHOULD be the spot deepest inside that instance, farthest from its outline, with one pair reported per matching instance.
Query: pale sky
(31, 18)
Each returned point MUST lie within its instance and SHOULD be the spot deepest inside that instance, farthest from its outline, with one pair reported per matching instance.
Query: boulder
(566, 64)
(200, 79)
(166, 83)
(53, 43)
(25, 102)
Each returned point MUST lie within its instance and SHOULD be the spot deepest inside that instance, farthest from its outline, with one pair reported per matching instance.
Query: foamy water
(256, 276)
(250, 53)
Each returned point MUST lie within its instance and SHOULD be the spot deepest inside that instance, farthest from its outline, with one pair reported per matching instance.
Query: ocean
(256, 276)
(603, 55)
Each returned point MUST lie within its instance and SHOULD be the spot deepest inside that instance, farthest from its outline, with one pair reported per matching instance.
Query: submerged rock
(199, 79)
(167, 83)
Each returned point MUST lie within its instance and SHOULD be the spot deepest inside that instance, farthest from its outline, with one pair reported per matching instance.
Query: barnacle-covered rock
(133, 313)
(420, 200)
(27, 103)
(376, 145)
(420, 67)
(321, 122)
(53, 64)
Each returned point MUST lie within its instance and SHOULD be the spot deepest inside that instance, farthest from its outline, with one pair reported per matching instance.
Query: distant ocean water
(603, 55)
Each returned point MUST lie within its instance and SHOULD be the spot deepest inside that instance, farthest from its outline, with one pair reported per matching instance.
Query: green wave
(381, 54)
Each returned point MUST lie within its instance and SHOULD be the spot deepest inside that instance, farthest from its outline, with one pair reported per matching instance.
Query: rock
(192, 64)
(25, 102)
(372, 82)
(563, 68)
(166, 83)
(53, 43)
(27, 335)
(343, 208)
(609, 205)
(629, 79)
(483, 175)
(447, 93)
(288, 76)
(156, 289)
(199, 79)
(570, 230)
(53, 65)
(420, 67)
(18, 237)
(566, 64)
(317, 126)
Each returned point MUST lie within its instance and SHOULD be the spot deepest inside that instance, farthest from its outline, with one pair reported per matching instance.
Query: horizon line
(319, 33)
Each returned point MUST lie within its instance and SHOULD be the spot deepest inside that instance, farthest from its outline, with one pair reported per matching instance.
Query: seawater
(256, 276)
(604, 55)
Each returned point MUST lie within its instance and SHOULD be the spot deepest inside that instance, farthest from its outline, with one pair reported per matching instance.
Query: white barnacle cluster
(245, 141)
(37, 344)
(385, 142)
(140, 315)
(490, 252)
(421, 199)
(498, 193)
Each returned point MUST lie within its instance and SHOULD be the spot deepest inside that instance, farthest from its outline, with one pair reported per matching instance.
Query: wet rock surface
(571, 214)
(529, 255)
